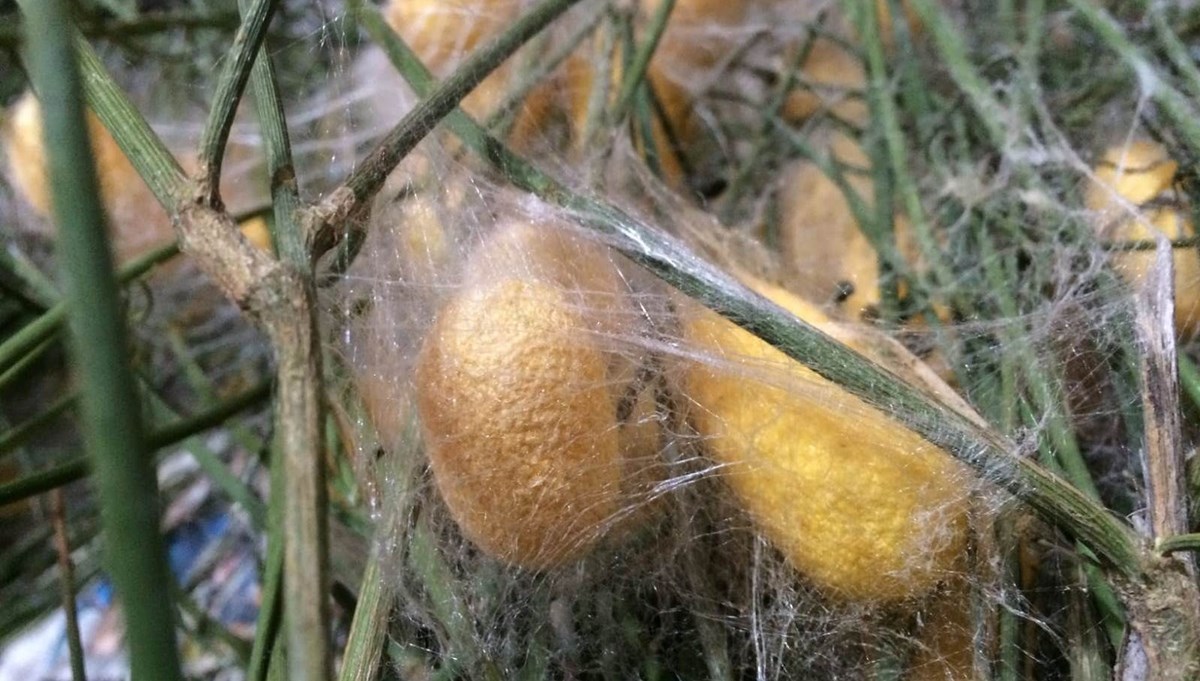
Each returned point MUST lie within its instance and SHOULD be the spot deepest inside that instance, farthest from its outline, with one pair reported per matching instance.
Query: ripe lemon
(1139, 173)
(862, 506)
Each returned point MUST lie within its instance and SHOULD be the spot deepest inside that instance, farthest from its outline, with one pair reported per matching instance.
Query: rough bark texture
(1164, 618)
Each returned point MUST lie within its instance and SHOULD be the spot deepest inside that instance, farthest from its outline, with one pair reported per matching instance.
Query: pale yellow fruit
(136, 221)
(1138, 173)
(519, 423)
(862, 506)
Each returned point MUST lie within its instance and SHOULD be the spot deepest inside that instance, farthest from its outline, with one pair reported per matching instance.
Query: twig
(268, 638)
(125, 480)
(1162, 455)
(970, 441)
(66, 577)
(641, 61)
(229, 89)
(292, 329)
(370, 626)
(75, 468)
(324, 221)
(1182, 542)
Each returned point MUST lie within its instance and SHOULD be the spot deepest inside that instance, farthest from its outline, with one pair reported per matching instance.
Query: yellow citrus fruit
(861, 505)
(1136, 174)
(519, 423)
(136, 221)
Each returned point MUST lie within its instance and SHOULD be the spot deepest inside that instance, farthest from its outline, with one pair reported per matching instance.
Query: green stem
(1175, 49)
(125, 481)
(1175, 105)
(268, 641)
(948, 40)
(75, 468)
(887, 119)
(366, 180)
(39, 330)
(369, 629)
(229, 88)
(15, 437)
(299, 408)
(144, 149)
(1180, 542)
(641, 60)
(993, 456)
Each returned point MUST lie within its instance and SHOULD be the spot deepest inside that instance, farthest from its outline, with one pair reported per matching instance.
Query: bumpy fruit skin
(861, 505)
(1139, 173)
(519, 424)
(136, 221)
